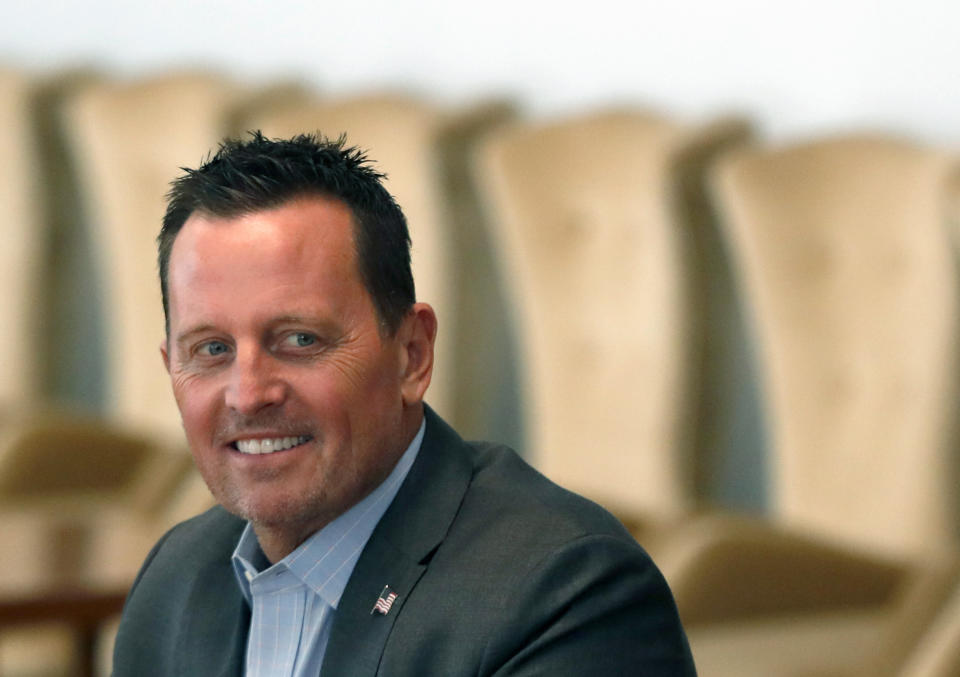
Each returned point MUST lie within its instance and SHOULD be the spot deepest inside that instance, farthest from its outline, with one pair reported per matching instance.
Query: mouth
(269, 445)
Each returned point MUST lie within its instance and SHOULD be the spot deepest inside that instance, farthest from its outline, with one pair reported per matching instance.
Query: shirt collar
(325, 561)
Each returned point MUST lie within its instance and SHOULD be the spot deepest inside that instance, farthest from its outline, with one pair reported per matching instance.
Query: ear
(163, 353)
(417, 335)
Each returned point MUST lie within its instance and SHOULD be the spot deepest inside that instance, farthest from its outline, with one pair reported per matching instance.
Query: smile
(269, 445)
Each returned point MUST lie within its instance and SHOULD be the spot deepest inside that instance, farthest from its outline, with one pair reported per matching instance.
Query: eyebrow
(184, 336)
(293, 319)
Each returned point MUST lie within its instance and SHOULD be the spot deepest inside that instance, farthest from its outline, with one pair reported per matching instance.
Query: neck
(278, 543)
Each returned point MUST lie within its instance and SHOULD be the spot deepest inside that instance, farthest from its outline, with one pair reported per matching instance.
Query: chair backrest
(400, 135)
(852, 292)
(128, 142)
(23, 240)
(596, 262)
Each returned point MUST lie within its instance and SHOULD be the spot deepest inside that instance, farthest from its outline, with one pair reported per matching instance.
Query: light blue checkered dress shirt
(294, 601)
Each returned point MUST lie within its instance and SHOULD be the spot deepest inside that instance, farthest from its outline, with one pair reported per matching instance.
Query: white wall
(798, 68)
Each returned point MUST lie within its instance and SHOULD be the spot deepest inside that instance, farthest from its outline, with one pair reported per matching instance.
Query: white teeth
(267, 446)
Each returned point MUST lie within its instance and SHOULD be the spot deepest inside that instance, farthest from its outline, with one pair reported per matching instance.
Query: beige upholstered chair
(598, 262)
(400, 134)
(846, 268)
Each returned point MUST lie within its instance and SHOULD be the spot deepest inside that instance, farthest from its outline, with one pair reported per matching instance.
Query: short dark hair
(246, 176)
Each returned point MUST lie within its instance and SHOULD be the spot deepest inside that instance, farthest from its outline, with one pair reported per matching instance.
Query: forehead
(304, 246)
(307, 217)
(314, 224)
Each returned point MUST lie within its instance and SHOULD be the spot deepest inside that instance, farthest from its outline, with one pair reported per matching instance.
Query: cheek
(198, 406)
(336, 388)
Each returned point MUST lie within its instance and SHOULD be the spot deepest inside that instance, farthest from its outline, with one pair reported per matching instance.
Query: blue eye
(214, 348)
(302, 339)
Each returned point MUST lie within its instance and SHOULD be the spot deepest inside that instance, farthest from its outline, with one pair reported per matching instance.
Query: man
(358, 534)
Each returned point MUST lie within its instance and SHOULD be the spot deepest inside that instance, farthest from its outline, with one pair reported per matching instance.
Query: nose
(255, 383)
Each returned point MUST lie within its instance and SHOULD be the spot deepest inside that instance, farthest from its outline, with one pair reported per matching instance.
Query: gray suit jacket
(497, 570)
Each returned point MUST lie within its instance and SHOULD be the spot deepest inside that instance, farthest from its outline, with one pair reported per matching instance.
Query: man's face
(294, 404)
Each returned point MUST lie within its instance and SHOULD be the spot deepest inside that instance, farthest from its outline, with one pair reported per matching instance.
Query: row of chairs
(614, 266)
(842, 258)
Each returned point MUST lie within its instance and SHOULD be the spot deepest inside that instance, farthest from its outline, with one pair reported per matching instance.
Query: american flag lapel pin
(384, 601)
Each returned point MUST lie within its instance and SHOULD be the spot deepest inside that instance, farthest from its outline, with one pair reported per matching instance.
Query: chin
(278, 512)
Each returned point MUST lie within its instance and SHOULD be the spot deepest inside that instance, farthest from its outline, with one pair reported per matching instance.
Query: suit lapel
(398, 552)
(359, 633)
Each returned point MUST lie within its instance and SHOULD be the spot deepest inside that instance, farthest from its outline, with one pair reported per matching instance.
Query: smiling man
(357, 534)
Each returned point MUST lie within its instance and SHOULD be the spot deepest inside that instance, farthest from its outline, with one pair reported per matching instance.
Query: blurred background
(696, 261)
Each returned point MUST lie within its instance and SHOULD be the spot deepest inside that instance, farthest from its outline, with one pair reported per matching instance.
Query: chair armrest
(53, 455)
(724, 568)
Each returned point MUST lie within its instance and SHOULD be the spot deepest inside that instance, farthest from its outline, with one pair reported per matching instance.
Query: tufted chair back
(597, 264)
(128, 141)
(852, 288)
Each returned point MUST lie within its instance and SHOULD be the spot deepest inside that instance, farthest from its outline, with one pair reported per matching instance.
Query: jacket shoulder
(550, 581)
(519, 494)
(186, 577)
